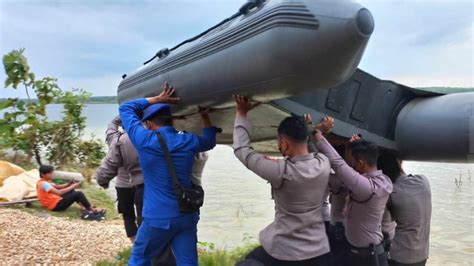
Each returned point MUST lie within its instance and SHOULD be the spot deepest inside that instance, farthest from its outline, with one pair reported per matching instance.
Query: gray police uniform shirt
(326, 210)
(198, 167)
(121, 160)
(367, 199)
(298, 187)
(337, 199)
(388, 224)
(410, 207)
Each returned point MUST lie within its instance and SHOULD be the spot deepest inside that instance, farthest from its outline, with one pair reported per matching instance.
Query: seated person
(59, 197)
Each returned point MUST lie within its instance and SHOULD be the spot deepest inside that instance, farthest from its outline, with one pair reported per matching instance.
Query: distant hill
(446, 90)
(92, 100)
(102, 99)
(113, 99)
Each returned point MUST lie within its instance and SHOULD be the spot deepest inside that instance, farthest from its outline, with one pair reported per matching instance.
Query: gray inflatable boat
(268, 50)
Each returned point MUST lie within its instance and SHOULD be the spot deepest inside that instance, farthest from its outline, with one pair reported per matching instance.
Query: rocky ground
(39, 238)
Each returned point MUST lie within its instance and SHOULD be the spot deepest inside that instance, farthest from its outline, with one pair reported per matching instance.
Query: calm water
(238, 202)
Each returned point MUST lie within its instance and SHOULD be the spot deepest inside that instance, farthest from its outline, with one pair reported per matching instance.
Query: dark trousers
(69, 198)
(259, 254)
(353, 259)
(130, 205)
(395, 263)
(338, 244)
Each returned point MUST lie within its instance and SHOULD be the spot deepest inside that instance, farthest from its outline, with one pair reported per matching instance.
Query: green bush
(25, 127)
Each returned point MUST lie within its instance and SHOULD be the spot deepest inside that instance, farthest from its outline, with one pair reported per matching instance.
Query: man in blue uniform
(163, 223)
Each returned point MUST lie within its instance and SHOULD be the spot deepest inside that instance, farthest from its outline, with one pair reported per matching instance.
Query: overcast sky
(90, 44)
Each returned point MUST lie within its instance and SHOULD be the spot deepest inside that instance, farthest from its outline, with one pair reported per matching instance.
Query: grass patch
(223, 257)
(121, 259)
(208, 254)
(94, 194)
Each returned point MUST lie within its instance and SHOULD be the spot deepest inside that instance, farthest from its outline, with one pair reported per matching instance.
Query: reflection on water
(238, 202)
(98, 115)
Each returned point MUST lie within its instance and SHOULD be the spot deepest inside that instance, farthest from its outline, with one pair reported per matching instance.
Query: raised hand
(355, 137)
(204, 112)
(165, 96)
(308, 119)
(243, 105)
(326, 125)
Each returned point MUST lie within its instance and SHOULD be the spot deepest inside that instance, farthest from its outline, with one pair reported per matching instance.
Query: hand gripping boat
(268, 50)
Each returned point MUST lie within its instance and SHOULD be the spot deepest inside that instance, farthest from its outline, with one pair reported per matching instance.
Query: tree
(25, 126)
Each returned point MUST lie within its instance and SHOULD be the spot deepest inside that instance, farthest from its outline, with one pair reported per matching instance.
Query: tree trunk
(37, 154)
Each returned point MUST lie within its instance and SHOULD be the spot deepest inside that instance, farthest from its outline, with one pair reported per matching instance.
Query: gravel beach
(43, 239)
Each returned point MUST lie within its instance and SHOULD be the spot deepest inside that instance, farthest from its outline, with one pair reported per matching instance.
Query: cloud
(421, 43)
(87, 41)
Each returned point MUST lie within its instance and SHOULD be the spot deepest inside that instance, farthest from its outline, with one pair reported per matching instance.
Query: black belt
(373, 250)
(138, 186)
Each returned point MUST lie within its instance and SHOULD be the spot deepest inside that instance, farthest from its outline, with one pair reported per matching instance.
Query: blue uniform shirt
(159, 197)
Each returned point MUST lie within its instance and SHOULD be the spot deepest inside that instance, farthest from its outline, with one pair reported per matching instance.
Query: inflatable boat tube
(437, 129)
(272, 50)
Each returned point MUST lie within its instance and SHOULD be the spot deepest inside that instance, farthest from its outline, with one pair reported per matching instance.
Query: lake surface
(238, 203)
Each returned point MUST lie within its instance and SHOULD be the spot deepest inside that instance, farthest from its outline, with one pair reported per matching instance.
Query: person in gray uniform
(200, 161)
(122, 162)
(298, 181)
(369, 191)
(326, 127)
(409, 206)
(337, 197)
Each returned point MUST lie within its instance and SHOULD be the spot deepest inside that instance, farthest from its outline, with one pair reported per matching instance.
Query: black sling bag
(189, 199)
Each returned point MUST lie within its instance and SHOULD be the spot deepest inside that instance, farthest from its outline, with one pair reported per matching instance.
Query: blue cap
(151, 110)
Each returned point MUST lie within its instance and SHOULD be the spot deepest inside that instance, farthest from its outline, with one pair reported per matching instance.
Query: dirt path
(40, 238)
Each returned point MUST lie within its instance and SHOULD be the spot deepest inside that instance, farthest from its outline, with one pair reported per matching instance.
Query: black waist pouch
(189, 199)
